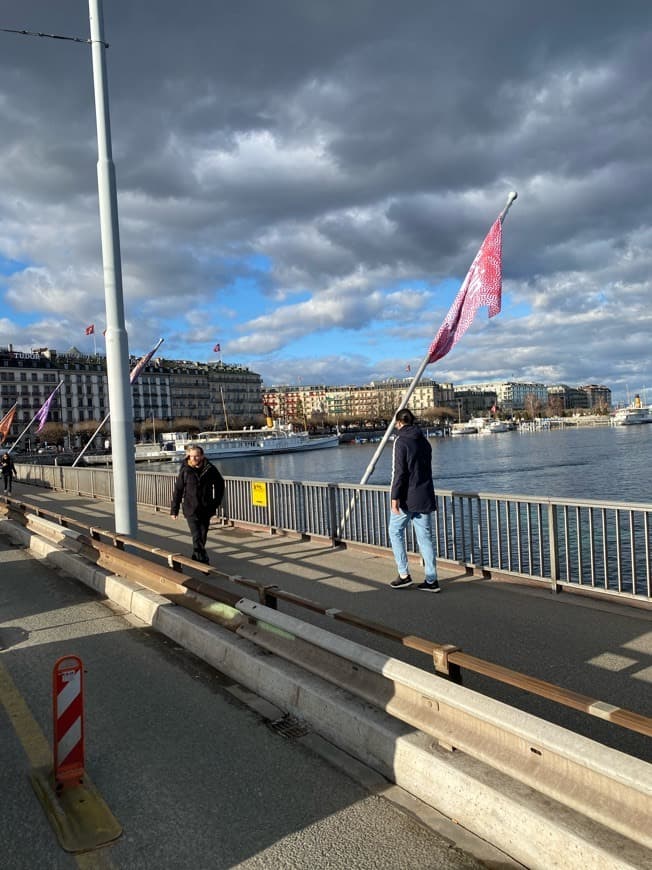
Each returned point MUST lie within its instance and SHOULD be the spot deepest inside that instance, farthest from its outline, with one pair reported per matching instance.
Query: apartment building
(209, 393)
(371, 401)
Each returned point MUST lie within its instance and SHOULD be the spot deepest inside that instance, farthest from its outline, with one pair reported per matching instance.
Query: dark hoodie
(412, 484)
(201, 490)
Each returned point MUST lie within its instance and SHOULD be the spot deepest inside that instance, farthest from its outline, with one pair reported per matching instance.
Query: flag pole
(135, 371)
(54, 391)
(415, 380)
(91, 439)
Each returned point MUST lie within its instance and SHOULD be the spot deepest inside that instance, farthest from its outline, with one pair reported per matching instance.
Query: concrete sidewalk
(182, 756)
(598, 648)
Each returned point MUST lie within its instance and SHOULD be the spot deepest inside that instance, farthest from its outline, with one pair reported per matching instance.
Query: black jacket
(201, 490)
(412, 484)
(8, 467)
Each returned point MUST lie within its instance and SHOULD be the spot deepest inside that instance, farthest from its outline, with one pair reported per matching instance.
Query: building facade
(209, 393)
(375, 401)
(513, 395)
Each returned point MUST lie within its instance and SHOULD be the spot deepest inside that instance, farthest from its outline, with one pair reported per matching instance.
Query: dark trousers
(198, 525)
(7, 482)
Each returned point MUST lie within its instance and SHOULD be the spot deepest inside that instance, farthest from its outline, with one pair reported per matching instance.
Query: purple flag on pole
(44, 410)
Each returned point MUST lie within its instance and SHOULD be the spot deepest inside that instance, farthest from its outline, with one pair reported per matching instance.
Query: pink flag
(142, 362)
(90, 329)
(44, 410)
(217, 348)
(482, 286)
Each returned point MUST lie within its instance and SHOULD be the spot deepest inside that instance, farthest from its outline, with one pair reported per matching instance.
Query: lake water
(600, 462)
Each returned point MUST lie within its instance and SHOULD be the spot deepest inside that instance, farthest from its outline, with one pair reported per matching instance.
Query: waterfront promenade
(598, 648)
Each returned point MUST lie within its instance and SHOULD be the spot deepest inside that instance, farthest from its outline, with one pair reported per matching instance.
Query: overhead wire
(50, 36)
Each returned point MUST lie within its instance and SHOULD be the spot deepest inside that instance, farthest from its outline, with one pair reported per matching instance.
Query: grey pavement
(599, 648)
(195, 776)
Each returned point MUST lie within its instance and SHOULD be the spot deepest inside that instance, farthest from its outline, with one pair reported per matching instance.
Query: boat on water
(463, 429)
(223, 444)
(632, 415)
(499, 426)
(487, 426)
(246, 442)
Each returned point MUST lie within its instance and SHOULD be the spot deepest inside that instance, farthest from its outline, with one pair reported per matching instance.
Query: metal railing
(599, 546)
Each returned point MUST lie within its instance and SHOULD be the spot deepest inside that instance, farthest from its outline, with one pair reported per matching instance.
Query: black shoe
(401, 582)
(429, 587)
(203, 557)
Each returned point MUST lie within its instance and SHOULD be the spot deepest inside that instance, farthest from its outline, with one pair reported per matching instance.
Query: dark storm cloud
(355, 146)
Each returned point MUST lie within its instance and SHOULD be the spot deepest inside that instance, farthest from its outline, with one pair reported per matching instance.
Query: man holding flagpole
(413, 501)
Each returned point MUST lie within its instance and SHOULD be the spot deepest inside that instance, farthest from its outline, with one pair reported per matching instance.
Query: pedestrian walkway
(181, 755)
(598, 648)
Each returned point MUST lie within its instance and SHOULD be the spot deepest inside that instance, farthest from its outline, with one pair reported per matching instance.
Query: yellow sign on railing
(259, 493)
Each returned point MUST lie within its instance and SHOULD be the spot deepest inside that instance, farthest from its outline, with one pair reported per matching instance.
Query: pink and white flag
(482, 286)
(142, 362)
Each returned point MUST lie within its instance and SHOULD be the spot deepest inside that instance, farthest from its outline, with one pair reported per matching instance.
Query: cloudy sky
(307, 182)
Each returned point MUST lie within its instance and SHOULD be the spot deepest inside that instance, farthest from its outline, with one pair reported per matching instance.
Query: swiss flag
(90, 329)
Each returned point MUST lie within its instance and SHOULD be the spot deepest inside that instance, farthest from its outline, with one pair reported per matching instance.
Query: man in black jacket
(200, 486)
(413, 500)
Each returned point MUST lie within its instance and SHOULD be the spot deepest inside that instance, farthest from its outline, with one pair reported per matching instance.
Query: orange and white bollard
(68, 721)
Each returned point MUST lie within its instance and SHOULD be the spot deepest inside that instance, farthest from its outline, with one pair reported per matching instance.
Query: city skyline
(302, 188)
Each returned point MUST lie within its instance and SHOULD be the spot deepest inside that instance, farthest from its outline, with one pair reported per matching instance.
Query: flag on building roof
(6, 423)
(217, 349)
(482, 286)
(90, 329)
(142, 362)
(44, 411)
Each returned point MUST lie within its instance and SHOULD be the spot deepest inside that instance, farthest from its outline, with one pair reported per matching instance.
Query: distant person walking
(413, 500)
(8, 471)
(199, 489)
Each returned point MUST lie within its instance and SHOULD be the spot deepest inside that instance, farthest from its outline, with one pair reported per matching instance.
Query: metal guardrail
(601, 547)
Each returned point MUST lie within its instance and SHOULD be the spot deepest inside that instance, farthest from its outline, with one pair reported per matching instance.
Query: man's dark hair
(405, 416)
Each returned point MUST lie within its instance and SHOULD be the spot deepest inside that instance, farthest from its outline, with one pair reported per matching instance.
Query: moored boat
(246, 442)
(463, 429)
(632, 415)
(499, 426)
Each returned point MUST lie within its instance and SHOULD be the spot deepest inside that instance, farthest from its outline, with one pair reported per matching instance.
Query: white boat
(487, 426)
(246, 442)
(632, 415)
(499, 426)
(463, 429)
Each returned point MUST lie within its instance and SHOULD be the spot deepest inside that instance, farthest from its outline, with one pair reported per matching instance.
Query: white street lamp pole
(117, 346)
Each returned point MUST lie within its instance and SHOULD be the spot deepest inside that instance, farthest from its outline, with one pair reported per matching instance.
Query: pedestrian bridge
(595, 547)
(366, 662)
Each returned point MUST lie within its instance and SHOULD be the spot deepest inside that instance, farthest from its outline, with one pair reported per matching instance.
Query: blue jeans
(422, 524)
